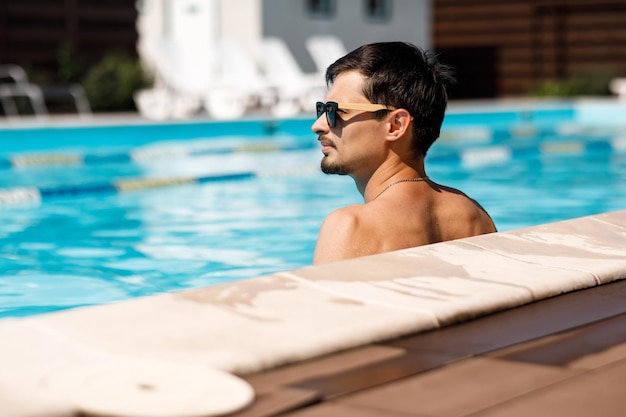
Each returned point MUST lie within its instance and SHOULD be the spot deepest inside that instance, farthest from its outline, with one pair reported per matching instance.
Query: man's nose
(320, 125)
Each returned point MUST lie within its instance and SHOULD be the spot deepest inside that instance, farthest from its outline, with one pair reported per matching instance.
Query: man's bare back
(428, 213)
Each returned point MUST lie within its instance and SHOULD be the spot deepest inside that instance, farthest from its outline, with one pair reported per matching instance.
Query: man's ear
(399, 124)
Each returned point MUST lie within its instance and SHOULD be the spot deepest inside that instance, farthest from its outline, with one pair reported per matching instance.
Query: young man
(384, 109)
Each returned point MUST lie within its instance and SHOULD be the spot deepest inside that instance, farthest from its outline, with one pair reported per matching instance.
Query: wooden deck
(504, 48)
(564, 356)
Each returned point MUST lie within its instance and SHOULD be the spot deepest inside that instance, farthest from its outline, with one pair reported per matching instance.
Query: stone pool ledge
(265, 322)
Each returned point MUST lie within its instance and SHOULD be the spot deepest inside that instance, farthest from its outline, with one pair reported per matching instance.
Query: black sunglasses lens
(319, 107)
(331, 114)
(330, 109)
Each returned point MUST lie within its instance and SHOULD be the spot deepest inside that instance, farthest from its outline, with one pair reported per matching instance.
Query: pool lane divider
(485, 140)
(21, 195)
(471, 157)
(143, 154)
(490, 152)
(483, 155)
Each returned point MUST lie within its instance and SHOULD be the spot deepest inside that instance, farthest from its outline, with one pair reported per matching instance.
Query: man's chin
(332, 169)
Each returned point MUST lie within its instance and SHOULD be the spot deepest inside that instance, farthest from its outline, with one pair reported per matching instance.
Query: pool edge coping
(291, 316)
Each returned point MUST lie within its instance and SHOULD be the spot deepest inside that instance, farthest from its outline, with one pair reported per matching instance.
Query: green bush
(111, 83)
(584, 83)
(555, 88)
(71, 68)
(593, 83)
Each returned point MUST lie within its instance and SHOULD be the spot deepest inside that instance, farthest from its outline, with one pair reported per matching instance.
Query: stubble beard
(330, 168)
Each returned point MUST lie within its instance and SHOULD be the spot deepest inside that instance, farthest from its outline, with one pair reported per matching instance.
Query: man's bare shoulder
(344, 219)
(342, 235)
(470, 216)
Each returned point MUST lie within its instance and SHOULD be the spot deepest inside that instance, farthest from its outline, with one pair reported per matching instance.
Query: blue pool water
(253, 199)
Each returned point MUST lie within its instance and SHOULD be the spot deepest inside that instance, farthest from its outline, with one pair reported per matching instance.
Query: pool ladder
(19, 86)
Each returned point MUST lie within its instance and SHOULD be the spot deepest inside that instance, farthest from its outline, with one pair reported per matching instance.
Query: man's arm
(339, 237)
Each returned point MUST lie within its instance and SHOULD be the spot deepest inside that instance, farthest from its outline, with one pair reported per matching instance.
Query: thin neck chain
(398, 182)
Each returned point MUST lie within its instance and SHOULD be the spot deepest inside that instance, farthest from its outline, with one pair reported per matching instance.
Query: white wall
(410, 21)
(195, 25)
(241, 22)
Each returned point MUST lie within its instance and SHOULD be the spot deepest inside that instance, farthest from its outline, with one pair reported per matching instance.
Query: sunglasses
(331, 107)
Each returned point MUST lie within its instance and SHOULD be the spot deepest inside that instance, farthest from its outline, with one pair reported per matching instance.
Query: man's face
(351, 147)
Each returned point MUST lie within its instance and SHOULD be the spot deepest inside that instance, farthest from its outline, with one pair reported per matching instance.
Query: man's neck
(385, 176)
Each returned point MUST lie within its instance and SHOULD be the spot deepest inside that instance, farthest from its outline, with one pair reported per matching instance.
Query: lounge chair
(14, 84)
(161, 103)
(238, 84)
(618, 87)
(297, 91)
(181, 76)
(220, 78)
(324, 50)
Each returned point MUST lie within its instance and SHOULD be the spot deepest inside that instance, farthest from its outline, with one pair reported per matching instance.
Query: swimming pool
(231, 200)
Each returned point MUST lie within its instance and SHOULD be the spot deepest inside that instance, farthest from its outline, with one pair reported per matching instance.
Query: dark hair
(402, 75)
